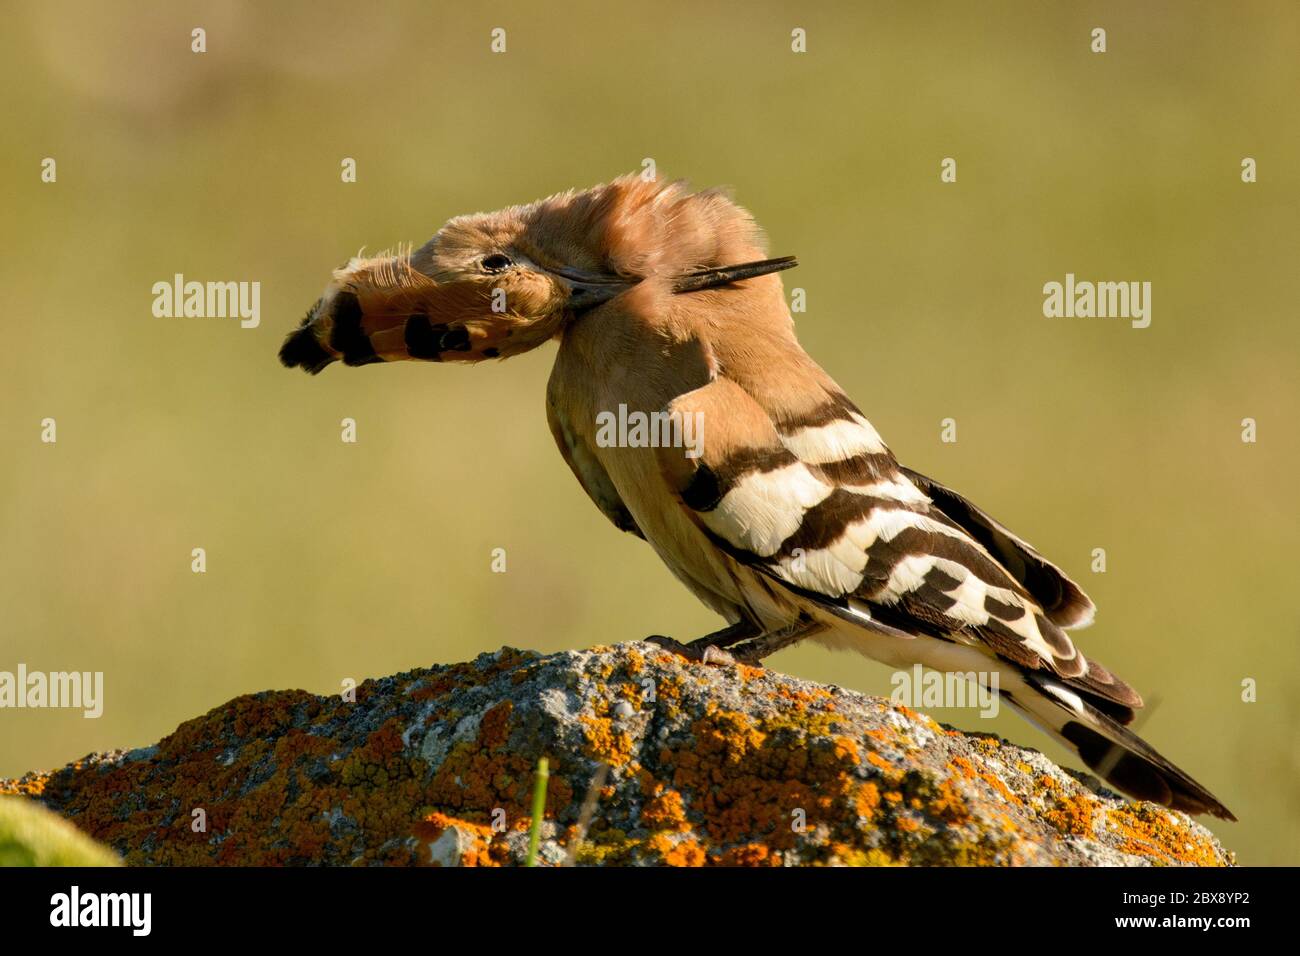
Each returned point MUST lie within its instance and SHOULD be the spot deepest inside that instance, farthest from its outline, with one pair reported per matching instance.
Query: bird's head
(492, 285)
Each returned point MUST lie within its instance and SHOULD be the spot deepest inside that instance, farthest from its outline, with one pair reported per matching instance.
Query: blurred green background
(328, 560)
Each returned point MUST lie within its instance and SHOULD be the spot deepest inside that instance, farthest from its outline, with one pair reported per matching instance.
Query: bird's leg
(727, 636)
(752, 652)
(711, 647)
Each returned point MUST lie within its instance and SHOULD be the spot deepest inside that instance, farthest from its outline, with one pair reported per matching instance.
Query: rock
(705, 764)
(452, 846)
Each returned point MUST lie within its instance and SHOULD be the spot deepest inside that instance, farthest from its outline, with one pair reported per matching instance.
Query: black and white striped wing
(818, 502)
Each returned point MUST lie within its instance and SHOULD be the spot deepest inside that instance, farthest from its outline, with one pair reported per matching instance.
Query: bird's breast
(616, 409)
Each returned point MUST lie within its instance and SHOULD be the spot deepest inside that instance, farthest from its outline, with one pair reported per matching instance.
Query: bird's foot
(702, 652)
(752, 652)
(750, 657)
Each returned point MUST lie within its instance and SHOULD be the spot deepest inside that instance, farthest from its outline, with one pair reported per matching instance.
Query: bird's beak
(588, 290)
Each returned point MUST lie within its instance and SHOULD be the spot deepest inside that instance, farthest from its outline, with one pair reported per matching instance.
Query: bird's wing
(1061, 599)
(589, 471)
(819, 503)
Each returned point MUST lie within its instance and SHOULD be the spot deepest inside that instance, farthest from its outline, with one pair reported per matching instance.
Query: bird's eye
(496, 263)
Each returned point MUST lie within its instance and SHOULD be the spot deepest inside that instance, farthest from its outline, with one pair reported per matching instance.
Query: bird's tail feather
(1112, 751)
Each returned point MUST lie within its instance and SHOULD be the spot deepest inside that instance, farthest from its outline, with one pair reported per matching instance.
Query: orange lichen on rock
(867, 800)
(1158, 834)
(607, 744)
(496, 721)
(713, 765)
(748, 673)
(748, 854)
(28, 785)
(999, 786)
(964, 767)
(925, 720)
(472, 844)
(949, 804)
(1071, 815)
(676, 852)
(665, 811)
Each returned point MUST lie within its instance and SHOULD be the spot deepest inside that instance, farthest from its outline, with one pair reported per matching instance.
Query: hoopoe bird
(787, 514)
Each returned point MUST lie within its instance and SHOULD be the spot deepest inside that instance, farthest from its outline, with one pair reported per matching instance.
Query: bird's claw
(701, 653)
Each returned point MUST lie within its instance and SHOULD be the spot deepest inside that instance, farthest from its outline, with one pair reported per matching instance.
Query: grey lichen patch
(700, 765)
